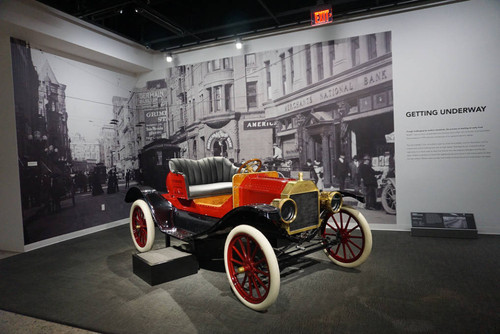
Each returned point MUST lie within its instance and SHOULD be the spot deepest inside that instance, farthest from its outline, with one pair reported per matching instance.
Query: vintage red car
(264, 219)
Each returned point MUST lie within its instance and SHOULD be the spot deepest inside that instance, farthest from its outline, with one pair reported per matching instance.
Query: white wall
(443, 57)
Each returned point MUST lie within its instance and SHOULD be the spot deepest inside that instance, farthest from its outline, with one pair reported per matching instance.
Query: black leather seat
(205, 177)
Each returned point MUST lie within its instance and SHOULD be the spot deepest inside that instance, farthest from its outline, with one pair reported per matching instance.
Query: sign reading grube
(152, 104)
(219, 135)
(324, 94)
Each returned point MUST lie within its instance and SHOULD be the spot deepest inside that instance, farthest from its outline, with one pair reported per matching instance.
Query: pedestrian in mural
(354, 170)
(96, 184)
(277, 152)
(127, 178)
(341, 171)
(310, 167)
(369, 177)
(111, 184)
(318, 169)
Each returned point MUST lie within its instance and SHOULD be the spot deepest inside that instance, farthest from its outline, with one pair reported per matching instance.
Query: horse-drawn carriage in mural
(261, 218)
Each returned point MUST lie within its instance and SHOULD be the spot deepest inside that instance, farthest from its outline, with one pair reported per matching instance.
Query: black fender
(138, 192)
(161, 209)
(357, 197)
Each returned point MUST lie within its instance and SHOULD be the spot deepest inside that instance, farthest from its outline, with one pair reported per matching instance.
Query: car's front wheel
(252, 268)
(353, 235)
(142, 226)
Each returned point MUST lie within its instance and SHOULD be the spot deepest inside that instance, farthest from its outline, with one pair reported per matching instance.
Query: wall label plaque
(455, 225)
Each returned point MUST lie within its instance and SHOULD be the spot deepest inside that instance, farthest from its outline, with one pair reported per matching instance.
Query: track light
(169, 57)
(238, 44)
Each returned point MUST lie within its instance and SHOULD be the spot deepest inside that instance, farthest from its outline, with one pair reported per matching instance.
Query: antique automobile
(263, 220)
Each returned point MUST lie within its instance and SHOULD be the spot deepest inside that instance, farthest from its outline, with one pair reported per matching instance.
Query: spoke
(256, 287)
(233, 260)
(347, 224)
(354, 244)
(242, 247)
(260, 261)
(337, 249)
(244, 280)
(350, 250)
(355, 227)
(262, 284)
(254, 253)
(236, 250)
(265, 273)
(336, 224)
(249, 250)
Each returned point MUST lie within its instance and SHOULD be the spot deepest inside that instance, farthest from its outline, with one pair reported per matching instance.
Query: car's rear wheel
(252, 268)
(142, 226)
(353, 235)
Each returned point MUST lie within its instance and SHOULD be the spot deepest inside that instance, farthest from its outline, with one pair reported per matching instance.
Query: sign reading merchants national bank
(337, 90)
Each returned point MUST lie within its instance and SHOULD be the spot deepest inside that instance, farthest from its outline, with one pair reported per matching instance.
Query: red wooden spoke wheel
(252, 268)
(141, 226)
(353, 233)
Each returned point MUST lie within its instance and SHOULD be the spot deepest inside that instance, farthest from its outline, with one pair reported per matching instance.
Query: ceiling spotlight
(169, 58)
(238, 44)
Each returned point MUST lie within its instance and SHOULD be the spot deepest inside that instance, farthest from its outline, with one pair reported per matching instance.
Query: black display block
(164, 265)
(448, 225)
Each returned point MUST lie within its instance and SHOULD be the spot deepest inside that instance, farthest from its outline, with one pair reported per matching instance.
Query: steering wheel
(248, 166)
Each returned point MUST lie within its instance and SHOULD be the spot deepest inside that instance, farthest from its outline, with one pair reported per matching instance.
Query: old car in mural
(263, 220)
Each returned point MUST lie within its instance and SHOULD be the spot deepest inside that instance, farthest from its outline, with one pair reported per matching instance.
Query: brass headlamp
(331, 201)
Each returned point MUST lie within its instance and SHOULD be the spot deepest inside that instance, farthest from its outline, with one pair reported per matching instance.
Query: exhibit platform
(407, 285)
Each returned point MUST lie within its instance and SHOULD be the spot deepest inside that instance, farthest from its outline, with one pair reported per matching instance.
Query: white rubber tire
(142, 227)
(367, 238)
(244, 231)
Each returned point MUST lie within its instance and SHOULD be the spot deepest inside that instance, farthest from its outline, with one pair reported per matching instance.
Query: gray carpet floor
(408, 285)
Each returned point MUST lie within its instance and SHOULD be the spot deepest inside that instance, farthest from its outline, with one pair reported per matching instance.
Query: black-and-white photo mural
(324, 109)
(70, 165)
(86, 134)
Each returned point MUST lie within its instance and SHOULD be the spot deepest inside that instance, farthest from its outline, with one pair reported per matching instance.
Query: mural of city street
(85, 134)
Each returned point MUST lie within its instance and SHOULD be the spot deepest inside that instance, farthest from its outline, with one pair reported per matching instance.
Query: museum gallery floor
(409, 284)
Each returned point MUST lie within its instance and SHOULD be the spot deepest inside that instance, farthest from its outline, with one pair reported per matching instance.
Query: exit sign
(321, 15)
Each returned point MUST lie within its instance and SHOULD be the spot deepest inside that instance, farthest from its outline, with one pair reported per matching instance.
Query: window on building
(227, 96)
(355, 51)
(210, 100)
(388, 41)
(195, 149)
(216, 64)
(267, 65)
(319, 65)
(308, 65)
(331, 55)
(283, 73)
(217, 98)
(292, 68)
(227, 63)
(372, 46)
(250, 59)
(192, 75)
(194, 109)
(252, 94)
